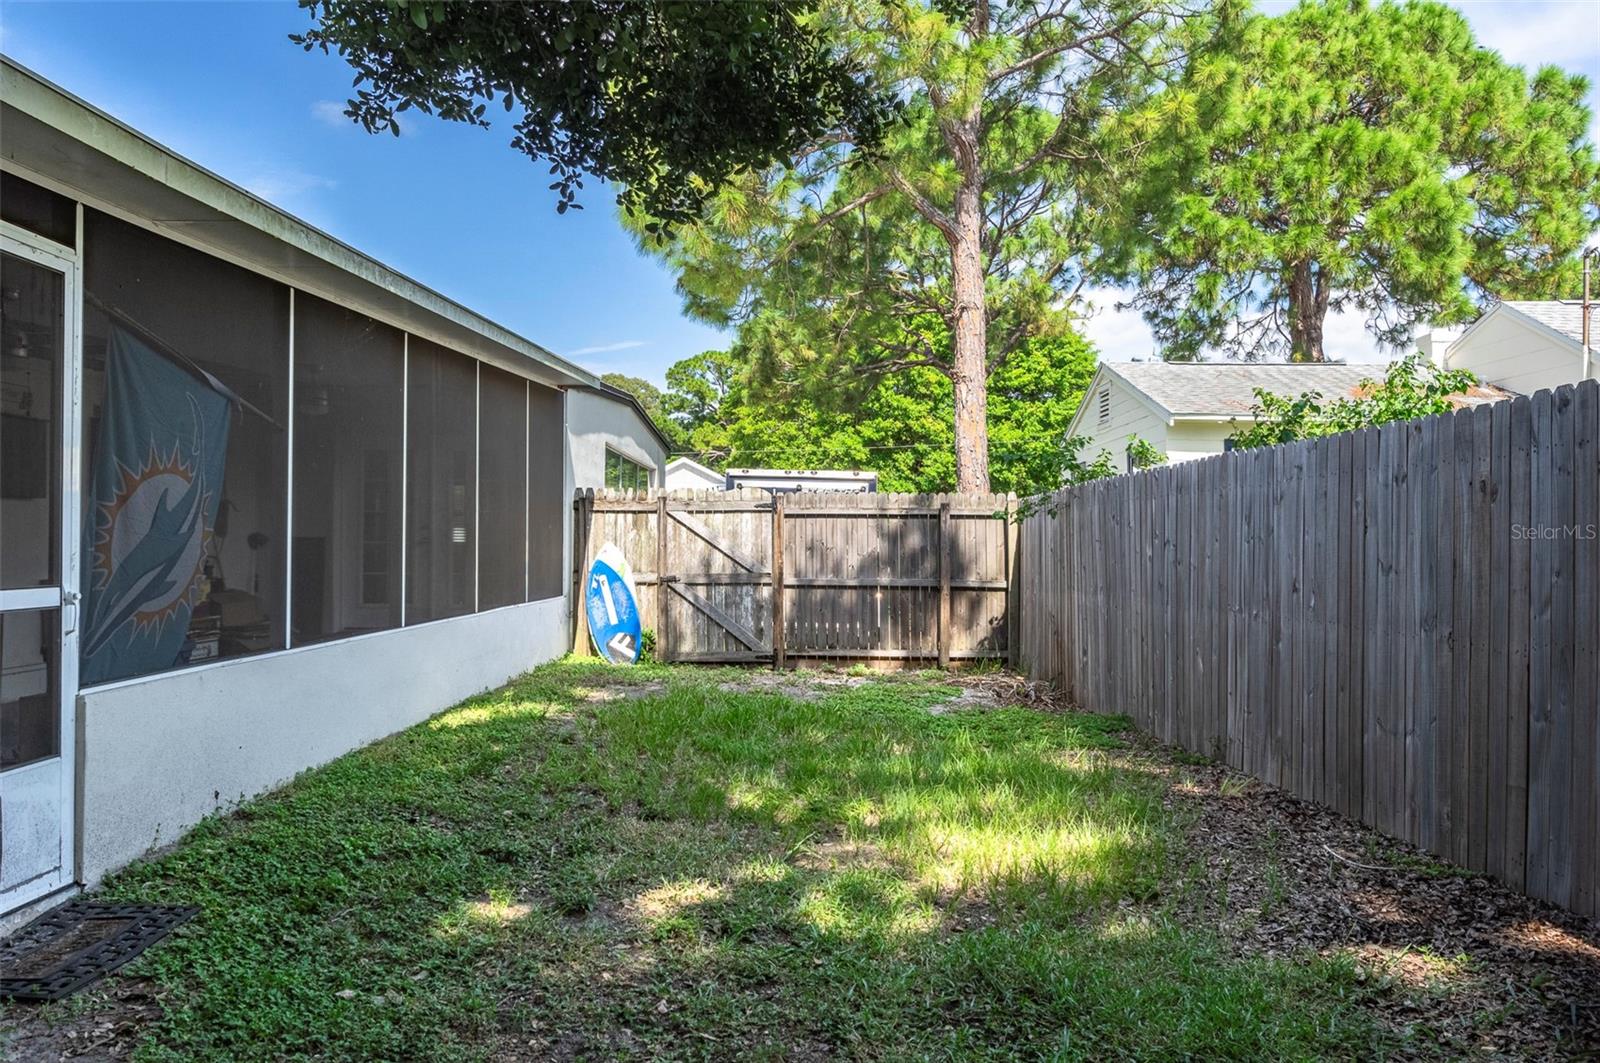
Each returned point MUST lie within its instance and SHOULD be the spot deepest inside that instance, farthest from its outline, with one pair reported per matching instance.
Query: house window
(625, 474)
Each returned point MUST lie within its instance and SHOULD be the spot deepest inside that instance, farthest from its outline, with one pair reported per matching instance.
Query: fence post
(1011, 537)
(944, 584)
(777, 581)
(663, 606)
(582, 516)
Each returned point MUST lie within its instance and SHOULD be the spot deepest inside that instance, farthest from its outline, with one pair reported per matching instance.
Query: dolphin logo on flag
(156, 487)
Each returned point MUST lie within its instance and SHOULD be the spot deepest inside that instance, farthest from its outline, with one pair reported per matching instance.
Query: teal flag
(156, 483)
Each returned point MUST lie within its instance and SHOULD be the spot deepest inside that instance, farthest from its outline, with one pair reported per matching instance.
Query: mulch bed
(1479, 968)
(1488, 970)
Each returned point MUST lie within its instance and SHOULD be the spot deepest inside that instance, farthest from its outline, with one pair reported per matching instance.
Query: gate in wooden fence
(748, 576)
(1402, 623)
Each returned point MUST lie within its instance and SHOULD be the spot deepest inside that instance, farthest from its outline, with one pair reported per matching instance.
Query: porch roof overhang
(65, 143)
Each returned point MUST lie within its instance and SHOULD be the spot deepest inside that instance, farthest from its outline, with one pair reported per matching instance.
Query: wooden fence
(756, 577)
(1402, 623)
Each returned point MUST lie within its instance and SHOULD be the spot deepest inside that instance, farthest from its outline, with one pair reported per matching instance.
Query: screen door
(38, 569)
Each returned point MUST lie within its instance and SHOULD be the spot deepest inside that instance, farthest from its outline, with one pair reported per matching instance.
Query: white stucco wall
(595, 422)
(1519, 357)
(160, 753)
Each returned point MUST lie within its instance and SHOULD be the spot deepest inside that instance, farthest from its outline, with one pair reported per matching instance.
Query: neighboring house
(1188, 410)
(688, 474)
(1521, 346)
(263, 499)
(613, 441)
(804, 480)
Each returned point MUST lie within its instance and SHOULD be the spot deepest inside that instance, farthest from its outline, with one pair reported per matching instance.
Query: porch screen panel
(349, 409)
(32, 356)
(502, 482)
(441, 477)
(189, 327)
(39, 210)
(549, 508)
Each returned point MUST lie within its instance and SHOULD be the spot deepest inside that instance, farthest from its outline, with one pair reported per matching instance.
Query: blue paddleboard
(611, 607)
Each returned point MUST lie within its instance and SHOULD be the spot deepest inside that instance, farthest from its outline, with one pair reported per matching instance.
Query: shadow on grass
(552, 872)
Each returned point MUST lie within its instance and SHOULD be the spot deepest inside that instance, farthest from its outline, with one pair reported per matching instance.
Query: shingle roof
(1218, 389)
(1563, 315)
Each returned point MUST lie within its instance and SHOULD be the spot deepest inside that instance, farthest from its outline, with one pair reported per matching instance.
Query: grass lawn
(593, 863)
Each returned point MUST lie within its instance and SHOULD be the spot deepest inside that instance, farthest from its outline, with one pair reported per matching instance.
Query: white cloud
(1122, 335)
(607, 348)
(1565, 32)
(330, 113)
(284, 188)
(1119, 335)
(1345, 338)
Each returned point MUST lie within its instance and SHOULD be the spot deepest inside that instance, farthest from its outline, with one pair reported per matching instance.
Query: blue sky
(455, 207)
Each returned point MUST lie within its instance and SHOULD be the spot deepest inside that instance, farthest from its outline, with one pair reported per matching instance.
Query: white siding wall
(1509, 354)
(161, 753)
(1129, 417)
(1187, 440)
(686, 476)
(595, 422)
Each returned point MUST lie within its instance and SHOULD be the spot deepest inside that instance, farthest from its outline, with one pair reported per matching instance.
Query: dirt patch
(989, 690)
(1484, 969)
(838, 853)
(996, 689)
(797, 686)
(97, 1026)
(618, 692)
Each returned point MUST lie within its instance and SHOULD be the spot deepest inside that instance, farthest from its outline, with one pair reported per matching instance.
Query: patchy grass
(593, 863)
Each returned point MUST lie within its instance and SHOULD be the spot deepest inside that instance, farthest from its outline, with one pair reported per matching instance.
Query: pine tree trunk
(1308, 312)
(970, 350)
(970, 368)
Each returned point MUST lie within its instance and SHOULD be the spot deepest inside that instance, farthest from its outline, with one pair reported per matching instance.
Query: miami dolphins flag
(155, 486)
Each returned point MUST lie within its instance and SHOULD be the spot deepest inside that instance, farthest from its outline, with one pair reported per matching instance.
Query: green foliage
(1411, 387)
(1144, 455)
(668, 99)
(704, 396)
(960, 237)
(901, 427)
(601, 862)
(1348, 156)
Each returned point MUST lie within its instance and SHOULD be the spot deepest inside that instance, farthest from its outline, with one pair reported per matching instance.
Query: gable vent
(1105, 405)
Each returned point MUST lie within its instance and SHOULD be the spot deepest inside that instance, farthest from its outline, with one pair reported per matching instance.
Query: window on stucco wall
(625, 474)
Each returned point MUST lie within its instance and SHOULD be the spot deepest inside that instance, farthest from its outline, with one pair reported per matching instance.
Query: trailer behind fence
(1402, 623)
(754, 577)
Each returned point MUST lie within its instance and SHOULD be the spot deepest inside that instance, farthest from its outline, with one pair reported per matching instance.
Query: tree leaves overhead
(1350, 156)
(668, 98)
